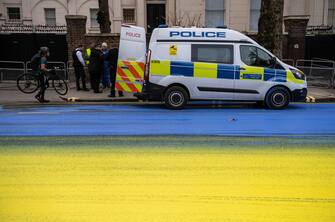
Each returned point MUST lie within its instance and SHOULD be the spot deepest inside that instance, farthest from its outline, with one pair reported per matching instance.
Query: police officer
(95, 67)
(113, 57)
(79, 64)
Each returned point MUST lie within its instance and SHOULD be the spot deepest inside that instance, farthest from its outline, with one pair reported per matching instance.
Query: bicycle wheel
(27, 83)
(60, 86)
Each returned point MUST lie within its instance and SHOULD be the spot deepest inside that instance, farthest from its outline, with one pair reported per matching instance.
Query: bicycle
(28, 82)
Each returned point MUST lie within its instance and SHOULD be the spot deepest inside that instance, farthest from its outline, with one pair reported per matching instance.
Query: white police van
(184, 64)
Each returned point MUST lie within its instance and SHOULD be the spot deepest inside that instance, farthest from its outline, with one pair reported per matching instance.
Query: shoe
(121, 95)
(85, 89)
(38, 98)
(111, 95)
(78, 89)
(45, 101)
(97, 92)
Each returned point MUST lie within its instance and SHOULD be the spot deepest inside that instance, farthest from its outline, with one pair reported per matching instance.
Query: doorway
(155, 16)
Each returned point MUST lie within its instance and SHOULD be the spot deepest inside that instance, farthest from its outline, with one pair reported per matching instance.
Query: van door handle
(242, 68)
(124, 67)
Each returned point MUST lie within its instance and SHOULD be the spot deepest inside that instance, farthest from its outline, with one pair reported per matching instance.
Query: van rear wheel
(175, 97)
(277, 98)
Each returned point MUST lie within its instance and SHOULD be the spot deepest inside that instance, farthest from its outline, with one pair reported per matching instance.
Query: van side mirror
(273, 62)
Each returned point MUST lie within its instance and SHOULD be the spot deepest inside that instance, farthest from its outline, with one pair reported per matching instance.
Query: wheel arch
(180, 85)
(279, 86)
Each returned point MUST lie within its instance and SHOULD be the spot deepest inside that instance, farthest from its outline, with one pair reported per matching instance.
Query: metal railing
(318, 72)
(289, 61)
(60, 67)
(10, 70)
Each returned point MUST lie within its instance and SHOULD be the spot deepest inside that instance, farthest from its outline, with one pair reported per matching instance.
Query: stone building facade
(55, 16)
(241, 15)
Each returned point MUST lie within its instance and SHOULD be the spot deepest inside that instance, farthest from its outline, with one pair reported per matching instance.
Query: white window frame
(91, 19)
(46, 18)
(250, 16)
(216, 10)
(131, 23)
(331, 13)
(14, 20)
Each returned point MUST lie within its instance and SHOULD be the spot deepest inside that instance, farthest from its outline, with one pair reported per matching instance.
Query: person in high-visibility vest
(88, 53)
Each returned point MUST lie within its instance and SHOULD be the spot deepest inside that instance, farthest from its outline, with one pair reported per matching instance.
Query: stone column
(76, 30)
(117, 16)
(140, 13)
(296, 28)
(26, 13)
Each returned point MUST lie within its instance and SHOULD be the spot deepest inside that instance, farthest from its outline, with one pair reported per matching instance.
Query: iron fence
(319, 72)
(60, 67)
(10, 70)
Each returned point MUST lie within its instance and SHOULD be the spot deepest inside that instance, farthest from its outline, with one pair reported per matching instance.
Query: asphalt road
(298, 119)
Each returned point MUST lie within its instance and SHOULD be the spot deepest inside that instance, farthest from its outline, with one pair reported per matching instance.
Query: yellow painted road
(179, 182)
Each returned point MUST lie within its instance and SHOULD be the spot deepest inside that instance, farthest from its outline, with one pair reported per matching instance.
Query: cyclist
(41, 72)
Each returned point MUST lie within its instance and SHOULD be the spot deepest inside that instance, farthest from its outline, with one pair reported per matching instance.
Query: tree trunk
(270, 26)
(103, 17)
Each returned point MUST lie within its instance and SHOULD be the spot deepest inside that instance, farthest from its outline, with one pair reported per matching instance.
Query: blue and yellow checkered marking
(226, 71)
(217, 71)
(182, 68)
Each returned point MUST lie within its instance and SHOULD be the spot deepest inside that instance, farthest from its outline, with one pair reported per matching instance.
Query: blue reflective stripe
(181, 68)
(237, 72)
(280, 75)
(274, 75)
(269, 74)
(226, 71)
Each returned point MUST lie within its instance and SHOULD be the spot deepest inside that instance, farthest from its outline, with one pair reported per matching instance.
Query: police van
(187, 64)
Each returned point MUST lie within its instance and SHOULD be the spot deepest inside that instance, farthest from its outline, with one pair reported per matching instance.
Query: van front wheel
(175, 97)
(277, 98)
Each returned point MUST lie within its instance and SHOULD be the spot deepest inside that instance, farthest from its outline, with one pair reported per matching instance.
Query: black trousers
(113, 80)
(95, 78)
(43, 85)
(80, 75)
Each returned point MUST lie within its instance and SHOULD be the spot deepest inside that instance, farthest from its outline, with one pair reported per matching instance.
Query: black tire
(27, 83)
(259, 104)
(60, 86)
(277, 98)
(175, 97)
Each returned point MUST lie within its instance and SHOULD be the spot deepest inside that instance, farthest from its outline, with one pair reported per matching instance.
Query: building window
(331, 13)
(255, 12)
(13, 13)
(50, 16)
(129, 15)
(93, 17)
(214, 13)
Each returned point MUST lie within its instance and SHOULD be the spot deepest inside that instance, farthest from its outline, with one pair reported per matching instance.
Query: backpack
(35, 62)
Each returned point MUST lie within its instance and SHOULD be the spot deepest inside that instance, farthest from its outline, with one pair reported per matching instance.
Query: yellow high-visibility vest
(87, 56)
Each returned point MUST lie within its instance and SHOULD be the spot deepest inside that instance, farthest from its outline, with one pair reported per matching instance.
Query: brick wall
(76, 35)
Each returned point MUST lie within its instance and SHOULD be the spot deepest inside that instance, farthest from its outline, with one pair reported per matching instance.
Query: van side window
(213, 53)
(253, 56)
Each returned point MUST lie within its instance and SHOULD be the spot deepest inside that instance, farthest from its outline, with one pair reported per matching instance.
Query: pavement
(10, 95)
(149, 119)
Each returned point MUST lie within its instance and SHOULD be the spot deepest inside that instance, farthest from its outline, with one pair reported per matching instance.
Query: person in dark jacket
(41, 72)
(95, 67)
(79, 64)
(113, 57)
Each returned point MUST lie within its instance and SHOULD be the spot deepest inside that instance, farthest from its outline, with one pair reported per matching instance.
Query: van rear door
(131, 59)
